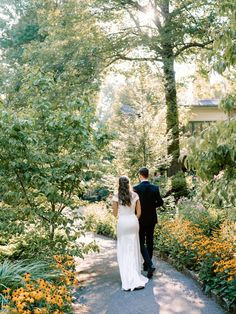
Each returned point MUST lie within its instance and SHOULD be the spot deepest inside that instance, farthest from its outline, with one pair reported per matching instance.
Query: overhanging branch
(193, 45)
(136, 22)
(123, 57)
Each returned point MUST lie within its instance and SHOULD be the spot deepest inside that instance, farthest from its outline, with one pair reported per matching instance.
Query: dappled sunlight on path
(168, 292)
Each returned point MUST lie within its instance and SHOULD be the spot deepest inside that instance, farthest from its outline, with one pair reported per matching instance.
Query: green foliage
(166, 243)
(179, 186)
(213, 158)
(96, 192)
(100, 220)
(228, 104)
(39, 244)
(138, 124)
(11, 273)
(208, 219)
(42, 171)
(224, 51)
(106, 228)
(51, 142)
(68, 53)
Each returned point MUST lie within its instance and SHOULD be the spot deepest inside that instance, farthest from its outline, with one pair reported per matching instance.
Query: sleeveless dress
(128, 247)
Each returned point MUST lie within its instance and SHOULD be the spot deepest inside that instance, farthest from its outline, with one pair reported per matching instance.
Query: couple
(136, 211)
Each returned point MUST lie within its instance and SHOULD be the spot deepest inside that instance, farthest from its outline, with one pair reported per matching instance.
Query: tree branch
(26, 196)
(193, 45)
(123, 57)
(24, 190)
(178, 10)
(112, 61)
(136, 22)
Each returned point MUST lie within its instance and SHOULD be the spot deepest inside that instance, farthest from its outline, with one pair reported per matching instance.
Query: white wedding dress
(128, 247)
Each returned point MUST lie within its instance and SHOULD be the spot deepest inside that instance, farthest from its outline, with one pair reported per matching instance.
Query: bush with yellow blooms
(40, 296)
(212, 257)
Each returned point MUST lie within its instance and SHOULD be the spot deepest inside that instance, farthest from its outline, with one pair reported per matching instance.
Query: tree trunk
(52, 232)
(172, 118)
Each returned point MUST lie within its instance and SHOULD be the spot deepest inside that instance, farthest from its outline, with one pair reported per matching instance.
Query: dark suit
(150, 199)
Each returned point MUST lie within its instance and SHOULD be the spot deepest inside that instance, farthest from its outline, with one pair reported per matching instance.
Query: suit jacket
(150, 199)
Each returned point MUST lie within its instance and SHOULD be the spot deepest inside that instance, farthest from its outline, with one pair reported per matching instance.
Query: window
(196, 127)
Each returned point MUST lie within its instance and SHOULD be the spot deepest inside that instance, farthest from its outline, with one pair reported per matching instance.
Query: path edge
(193, 275)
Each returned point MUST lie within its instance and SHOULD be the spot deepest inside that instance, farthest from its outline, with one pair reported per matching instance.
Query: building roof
(127, 109)
(207, 103)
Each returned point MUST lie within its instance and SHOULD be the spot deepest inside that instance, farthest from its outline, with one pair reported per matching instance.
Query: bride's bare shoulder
(134, 195)
(115, 197)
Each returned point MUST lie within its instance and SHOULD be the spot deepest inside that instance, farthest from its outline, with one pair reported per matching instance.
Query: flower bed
(212, 257)
(41, 296)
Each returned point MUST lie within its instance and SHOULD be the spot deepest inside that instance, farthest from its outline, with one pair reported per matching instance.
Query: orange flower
(26, 277)
(6, 291)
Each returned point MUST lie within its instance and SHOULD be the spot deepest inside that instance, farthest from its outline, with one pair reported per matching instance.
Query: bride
(126, 206)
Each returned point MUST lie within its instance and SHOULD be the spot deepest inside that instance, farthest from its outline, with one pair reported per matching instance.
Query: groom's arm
(138, 209)
(159, 200)
(136, 189)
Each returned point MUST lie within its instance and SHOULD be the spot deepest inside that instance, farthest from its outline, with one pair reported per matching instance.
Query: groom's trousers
(146, 243)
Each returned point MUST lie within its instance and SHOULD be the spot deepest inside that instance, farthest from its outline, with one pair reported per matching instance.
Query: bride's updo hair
(124, 192)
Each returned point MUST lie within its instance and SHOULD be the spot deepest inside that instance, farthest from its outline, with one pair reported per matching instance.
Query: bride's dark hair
(124, 192)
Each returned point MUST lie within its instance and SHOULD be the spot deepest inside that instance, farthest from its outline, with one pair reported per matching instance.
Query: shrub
(179, 185)
(213, 158)
(106, 227)
(208, 219)
(100, 220)
(175, 239)
(37, 291)
(211, 256)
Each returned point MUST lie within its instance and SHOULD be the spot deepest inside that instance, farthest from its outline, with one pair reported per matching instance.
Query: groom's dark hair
(144, 172)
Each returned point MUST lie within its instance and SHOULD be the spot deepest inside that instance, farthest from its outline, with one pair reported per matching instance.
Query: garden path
(169, 291)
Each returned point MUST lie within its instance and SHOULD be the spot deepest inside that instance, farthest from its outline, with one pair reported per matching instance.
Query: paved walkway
(168, 292)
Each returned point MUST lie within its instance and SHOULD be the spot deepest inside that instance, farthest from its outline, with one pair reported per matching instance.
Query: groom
(150, 199)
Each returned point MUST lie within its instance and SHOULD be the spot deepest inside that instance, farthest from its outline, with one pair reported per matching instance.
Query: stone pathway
(168, 292)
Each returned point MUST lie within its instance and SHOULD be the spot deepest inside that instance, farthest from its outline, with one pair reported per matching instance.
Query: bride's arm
(138, 209)
(114, 208)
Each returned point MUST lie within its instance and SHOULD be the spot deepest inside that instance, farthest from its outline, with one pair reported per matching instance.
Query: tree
(51, 141)
(213, 158)
(139, 123)
(228, 104)
(224, 52)
(63, 42)
(174, 29)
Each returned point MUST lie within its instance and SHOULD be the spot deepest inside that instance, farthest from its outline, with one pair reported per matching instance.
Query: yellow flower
(29, 287)
(26, 277)
(6, 291)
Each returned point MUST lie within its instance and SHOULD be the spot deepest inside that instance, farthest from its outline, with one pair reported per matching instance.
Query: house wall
(207, 114)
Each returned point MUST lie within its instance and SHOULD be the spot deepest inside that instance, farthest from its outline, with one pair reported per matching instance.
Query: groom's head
(143, 173)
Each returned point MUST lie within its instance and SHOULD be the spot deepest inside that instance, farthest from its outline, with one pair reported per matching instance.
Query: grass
(11, 272)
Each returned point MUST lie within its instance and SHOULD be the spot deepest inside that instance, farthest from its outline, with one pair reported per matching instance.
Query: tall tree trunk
(172, 118)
